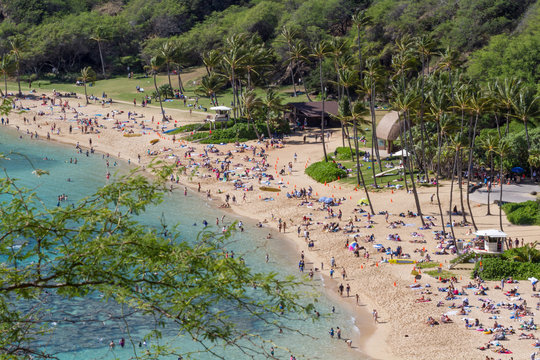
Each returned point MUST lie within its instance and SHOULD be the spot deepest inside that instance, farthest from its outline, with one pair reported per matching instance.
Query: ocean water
(89, 340)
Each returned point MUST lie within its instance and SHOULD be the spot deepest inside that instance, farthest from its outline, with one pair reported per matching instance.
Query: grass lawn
(124, 89)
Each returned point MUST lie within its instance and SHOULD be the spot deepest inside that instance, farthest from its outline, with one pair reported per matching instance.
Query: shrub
(325, 171)
(497, 268)
(525, 213)
(344, 153)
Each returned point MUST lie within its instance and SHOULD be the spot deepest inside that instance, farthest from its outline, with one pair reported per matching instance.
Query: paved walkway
(511, 193)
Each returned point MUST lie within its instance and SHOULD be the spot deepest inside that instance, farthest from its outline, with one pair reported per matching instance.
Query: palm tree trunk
(438, 176)
(169, 75)
(413, 183)
(469, 170)
(322, 111)
(358, 170)
(359, 54)
(375, 142)
(180, 84)
(5, 83)
(19, 79)
(452, 176)
(501, 194)
(304, 85)
(101, 58)
(85, 94)
(268, 127)
(403, 147)
(291, 65)
(528, 145)
(460, 179)
(159, 98)
(490, 185)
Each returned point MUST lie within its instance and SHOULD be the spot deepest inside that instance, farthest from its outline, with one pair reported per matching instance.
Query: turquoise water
(90, 339)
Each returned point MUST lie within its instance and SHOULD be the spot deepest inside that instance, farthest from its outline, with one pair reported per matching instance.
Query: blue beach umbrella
(518, 170)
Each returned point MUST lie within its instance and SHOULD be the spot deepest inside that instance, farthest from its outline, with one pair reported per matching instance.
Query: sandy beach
(401, 302)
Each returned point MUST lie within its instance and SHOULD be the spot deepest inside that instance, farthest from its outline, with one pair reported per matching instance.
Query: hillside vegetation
(63, 36)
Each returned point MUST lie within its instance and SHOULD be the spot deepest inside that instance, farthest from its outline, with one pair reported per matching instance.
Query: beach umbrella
(326, 200)
(353, 246)
(518, 170)
(533, 280)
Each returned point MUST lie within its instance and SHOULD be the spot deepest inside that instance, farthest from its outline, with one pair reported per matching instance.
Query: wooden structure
(309, 113)
(388, 130)
(489, 241)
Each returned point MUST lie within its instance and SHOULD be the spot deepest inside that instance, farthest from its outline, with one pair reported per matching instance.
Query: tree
(234, 57)
(17, 45)
(477, 106)
(288, 36)
(489, 144)
(502, 151)
(360, 21)
(210, 86)
(320, 51)
(155, 64)
(169, 280)
(358, 117)
(273, 105)
(299, 55)
(99, 37)
(88, 75)
(168, 52)
(371, 82)
(252, 103)
(527, 109)
(6, 68)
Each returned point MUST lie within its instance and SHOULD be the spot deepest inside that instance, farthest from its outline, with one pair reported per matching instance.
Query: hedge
(497, 268)
(525, 213)
(325, 171)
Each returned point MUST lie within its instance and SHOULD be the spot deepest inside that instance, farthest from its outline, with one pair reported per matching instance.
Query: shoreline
(386, 287)
(328, 286)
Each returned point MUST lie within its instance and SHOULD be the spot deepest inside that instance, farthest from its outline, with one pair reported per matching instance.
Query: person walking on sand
(375, 316)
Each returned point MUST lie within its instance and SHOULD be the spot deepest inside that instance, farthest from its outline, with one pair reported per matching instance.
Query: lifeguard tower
(222, 115)
(489, 242)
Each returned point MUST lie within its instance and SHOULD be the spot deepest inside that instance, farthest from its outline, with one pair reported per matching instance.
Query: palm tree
(320, 51)
(360, 21)
(6, 68)
(457, 144)
(210, 86)
(527, 109)
(178, 59)
(438, 115)
(489, 144)
(273, 105)
(358, 117)
(167, 52)
(234, 58)
(337, 48)
(477, 106)
(211, 60)
(371, 81)
(424, 46)
(251, 103)
(347, 79)
(507, 92)
(17, 46)
(502, 149)
(87, 75)
(155, 64)
(288, 36)
(98, 37)
(449, 59)
(299, 55)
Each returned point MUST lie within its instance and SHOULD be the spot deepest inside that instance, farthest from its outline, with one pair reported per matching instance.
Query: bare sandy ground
(401, 332)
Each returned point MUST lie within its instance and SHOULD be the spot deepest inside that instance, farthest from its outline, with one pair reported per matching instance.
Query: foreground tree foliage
(97, 247)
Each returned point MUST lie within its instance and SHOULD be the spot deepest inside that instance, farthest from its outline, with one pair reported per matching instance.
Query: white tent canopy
(490, 233)
(399, 153)
(220, 108)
